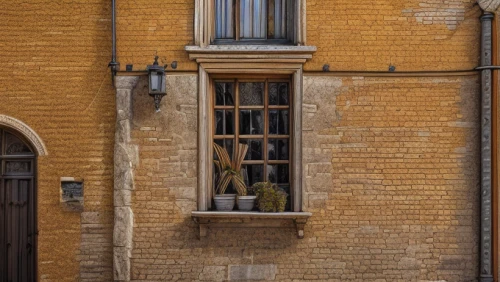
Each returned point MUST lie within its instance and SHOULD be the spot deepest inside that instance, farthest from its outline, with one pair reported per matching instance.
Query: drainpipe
(114, 65)
(485, 273)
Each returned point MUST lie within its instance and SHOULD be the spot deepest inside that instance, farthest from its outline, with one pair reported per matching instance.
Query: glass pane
(253, 19)
(17, 167)
(252, 174)
(273, 122)
(254, 149)
(278, 94)
(277, 21)
(224, 94)
(219, 122)
(251, 94)
(288, 206)
(273, 94)
(14, 146)
(283, 122)
(283, 94)
(251, 122)
(229, 123)
(224, 27)
(278, 174)
(278, 149)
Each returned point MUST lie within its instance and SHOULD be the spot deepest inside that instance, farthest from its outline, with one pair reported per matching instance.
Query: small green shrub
(270, 198)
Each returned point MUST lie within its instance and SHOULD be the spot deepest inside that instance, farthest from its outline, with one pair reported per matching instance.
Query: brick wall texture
(390, 163)
(349, 35)
(387, 167)
(54, 77)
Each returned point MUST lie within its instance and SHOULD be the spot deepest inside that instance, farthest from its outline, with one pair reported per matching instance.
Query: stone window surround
(204, 18)
(205, 131)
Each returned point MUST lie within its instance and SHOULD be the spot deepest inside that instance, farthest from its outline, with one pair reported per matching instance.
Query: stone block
(213, 273)
(123, 227)
(265, 272)
(121, 264)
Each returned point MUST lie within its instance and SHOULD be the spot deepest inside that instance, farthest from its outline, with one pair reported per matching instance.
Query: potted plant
(270, 198)
(229, 171)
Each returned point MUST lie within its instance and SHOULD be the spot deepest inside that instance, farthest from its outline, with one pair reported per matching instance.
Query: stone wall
(387, 177)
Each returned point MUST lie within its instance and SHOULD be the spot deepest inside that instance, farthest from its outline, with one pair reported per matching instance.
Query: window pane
(229, 122)
(278, 122)
(224, 94)
(288, 206)
(253, 19)
(278, 149)
(277, 21)
(251, 122)
(14, 146)
(251, 93)
(278, 174)
(252, 174)
(255, 149)
(278, 94)
(224, 27)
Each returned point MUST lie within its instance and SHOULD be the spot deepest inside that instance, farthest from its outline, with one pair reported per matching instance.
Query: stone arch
(27, 131)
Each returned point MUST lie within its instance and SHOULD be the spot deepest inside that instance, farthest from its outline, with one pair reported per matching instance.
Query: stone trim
(26, 131)
(206, 219)
(203, 18)
(204, 130)
(489, 5)
(125, 160)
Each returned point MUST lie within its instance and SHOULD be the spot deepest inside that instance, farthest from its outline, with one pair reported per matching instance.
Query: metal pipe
(113, 64)
(485, 256)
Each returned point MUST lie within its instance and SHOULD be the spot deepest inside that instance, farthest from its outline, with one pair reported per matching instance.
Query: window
(253, 21)
(256, 112)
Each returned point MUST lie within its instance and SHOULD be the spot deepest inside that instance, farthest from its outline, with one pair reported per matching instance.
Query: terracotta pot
(246, 203)
(224, 202)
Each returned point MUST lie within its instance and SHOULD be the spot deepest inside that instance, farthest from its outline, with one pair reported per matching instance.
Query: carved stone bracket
(208, 219)
(489, 5)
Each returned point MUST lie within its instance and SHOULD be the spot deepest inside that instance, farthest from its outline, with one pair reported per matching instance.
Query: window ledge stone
(205, 219)
(250, 52)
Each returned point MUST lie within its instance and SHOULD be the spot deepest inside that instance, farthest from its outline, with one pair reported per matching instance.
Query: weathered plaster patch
(451, 13)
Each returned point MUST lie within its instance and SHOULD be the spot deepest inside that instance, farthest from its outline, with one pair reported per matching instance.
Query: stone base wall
(391, 177)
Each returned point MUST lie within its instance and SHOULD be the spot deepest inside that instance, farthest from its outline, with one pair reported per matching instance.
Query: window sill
(205, 219)
(214, 53)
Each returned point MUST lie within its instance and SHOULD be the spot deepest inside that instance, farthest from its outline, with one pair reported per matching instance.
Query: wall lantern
(157, 86)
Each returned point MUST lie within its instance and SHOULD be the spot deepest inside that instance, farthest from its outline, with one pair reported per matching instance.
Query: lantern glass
(154, 81)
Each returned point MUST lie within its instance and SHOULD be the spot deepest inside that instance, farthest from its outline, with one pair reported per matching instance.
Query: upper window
(254, 21)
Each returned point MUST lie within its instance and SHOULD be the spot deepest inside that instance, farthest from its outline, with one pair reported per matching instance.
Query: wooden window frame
(204, 27)
(208, 73)
(265, 136)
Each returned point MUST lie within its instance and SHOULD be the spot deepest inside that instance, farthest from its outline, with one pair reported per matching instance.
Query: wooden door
(17, 209)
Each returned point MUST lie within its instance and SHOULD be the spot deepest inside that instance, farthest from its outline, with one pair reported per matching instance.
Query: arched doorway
(18, 222)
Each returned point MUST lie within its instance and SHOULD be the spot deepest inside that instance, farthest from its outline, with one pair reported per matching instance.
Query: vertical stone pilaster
(486, 150)
(125, 160)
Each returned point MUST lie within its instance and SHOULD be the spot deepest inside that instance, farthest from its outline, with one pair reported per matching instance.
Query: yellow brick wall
(54, 77)
(412, 35)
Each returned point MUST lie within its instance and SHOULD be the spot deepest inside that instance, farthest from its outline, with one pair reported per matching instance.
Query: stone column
(486, 150)
(125, 160)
